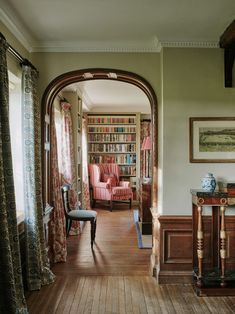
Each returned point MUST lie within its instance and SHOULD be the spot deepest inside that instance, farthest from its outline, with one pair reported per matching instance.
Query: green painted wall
(50, 65)
(188, 83)
(193, 87)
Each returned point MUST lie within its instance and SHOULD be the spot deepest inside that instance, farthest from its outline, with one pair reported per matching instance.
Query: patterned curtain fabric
(144, 132)
(68, 163)
(38, 271)
(11, 287)
(57, 233)
(86, 202)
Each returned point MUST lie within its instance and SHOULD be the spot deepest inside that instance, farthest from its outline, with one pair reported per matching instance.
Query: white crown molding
(149, 46)
(86, 101)
(15, 30)
(190, 44)
(141, 46)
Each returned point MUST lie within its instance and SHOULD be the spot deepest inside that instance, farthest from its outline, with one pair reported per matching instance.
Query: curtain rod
(15, 53)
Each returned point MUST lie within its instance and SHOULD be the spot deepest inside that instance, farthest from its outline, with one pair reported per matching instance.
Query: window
(15, 116)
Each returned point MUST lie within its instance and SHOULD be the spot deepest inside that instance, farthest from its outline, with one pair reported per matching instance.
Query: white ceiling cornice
(150, 46)
(190, 44)
(7, 21)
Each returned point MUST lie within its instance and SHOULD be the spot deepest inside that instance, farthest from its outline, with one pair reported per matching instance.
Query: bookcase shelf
(114, 138)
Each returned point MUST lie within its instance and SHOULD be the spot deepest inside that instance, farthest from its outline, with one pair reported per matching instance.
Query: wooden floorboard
(114, 278)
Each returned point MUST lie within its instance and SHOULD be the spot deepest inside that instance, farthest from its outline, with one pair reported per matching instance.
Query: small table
(211, 278)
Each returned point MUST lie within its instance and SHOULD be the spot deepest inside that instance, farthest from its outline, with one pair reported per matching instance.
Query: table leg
(199, 246)
(222, 245)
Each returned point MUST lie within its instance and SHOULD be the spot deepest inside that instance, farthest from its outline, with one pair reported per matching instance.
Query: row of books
(128, 170)
(117, 159)
(111, 148)
(110, 120)
(110, 137)
(109, 129)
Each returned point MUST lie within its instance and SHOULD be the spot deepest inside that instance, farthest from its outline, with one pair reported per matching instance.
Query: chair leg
(95, 228)
(130, 203)
(68, 226)
(93, 203)
(92, 232)
(111, 205)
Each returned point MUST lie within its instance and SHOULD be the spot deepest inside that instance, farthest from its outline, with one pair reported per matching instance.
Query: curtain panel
(37, 263)
(86, 202)
(57, 232)
(12, 298)
(68, 160)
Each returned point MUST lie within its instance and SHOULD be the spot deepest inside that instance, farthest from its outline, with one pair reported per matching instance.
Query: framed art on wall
(212, 139)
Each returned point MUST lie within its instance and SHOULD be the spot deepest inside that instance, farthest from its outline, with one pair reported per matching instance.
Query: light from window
(15, 116)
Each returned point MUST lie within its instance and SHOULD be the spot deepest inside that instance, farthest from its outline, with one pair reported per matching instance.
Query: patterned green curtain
(11, 288)
(37, 263)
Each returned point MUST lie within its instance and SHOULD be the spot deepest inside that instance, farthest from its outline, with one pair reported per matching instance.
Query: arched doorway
(95, 74)
(90, 74)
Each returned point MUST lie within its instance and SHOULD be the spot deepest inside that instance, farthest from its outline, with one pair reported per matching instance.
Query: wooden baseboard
(168, 277)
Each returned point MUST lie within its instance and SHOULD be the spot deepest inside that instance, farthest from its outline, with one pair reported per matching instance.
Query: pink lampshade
(143, 144)
(147, 144)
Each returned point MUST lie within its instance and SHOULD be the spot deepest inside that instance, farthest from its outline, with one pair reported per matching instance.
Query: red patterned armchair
(105, 183)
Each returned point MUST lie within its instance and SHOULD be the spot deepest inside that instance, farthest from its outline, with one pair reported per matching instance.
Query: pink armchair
(104, 180)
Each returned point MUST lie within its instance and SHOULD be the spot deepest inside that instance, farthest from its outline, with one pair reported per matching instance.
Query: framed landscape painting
(212, 140)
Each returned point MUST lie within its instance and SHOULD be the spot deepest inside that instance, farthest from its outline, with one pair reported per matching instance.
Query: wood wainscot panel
(176, 247)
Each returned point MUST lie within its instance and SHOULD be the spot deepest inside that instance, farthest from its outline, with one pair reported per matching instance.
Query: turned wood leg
(199, 246)
(111, 205)
(222, 245)
(130, 203)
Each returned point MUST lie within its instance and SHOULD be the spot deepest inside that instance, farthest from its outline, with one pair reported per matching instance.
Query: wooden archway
(95, 74)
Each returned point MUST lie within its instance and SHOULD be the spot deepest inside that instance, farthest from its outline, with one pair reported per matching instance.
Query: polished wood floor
(115, 277)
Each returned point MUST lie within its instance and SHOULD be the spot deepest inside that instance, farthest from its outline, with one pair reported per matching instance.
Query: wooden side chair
(77, 214)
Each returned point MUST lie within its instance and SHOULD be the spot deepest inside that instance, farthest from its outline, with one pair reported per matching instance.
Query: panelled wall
(176, 246)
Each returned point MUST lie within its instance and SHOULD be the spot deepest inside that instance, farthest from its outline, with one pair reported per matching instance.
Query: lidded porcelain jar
(208, 183)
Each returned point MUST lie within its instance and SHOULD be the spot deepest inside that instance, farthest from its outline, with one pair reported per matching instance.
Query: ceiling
(116, 25)
(111, 96)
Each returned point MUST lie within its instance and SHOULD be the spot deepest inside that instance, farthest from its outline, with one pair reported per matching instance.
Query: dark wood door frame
(95, 74)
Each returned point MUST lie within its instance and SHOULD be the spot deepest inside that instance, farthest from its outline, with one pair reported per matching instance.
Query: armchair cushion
(125, 184)
(118, 190)
(110, 178)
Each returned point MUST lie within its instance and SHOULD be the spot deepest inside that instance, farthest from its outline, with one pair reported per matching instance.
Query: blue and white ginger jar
(208, 183)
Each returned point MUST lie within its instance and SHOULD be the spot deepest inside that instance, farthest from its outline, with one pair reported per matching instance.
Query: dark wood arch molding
(95, 74)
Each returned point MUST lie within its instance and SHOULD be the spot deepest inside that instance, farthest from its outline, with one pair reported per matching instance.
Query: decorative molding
(190, 44)
(15, 30)
(66, 47)
(151, 46)
(86, 101)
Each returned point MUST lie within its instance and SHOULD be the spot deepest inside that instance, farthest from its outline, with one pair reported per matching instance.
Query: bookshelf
(114, 138)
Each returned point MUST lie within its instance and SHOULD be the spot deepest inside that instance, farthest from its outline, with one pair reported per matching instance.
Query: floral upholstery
(107, 190)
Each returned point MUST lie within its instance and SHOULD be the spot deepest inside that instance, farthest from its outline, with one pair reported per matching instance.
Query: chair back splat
(77, 214)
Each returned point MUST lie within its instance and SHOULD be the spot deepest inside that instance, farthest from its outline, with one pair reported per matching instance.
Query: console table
(210, 275)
